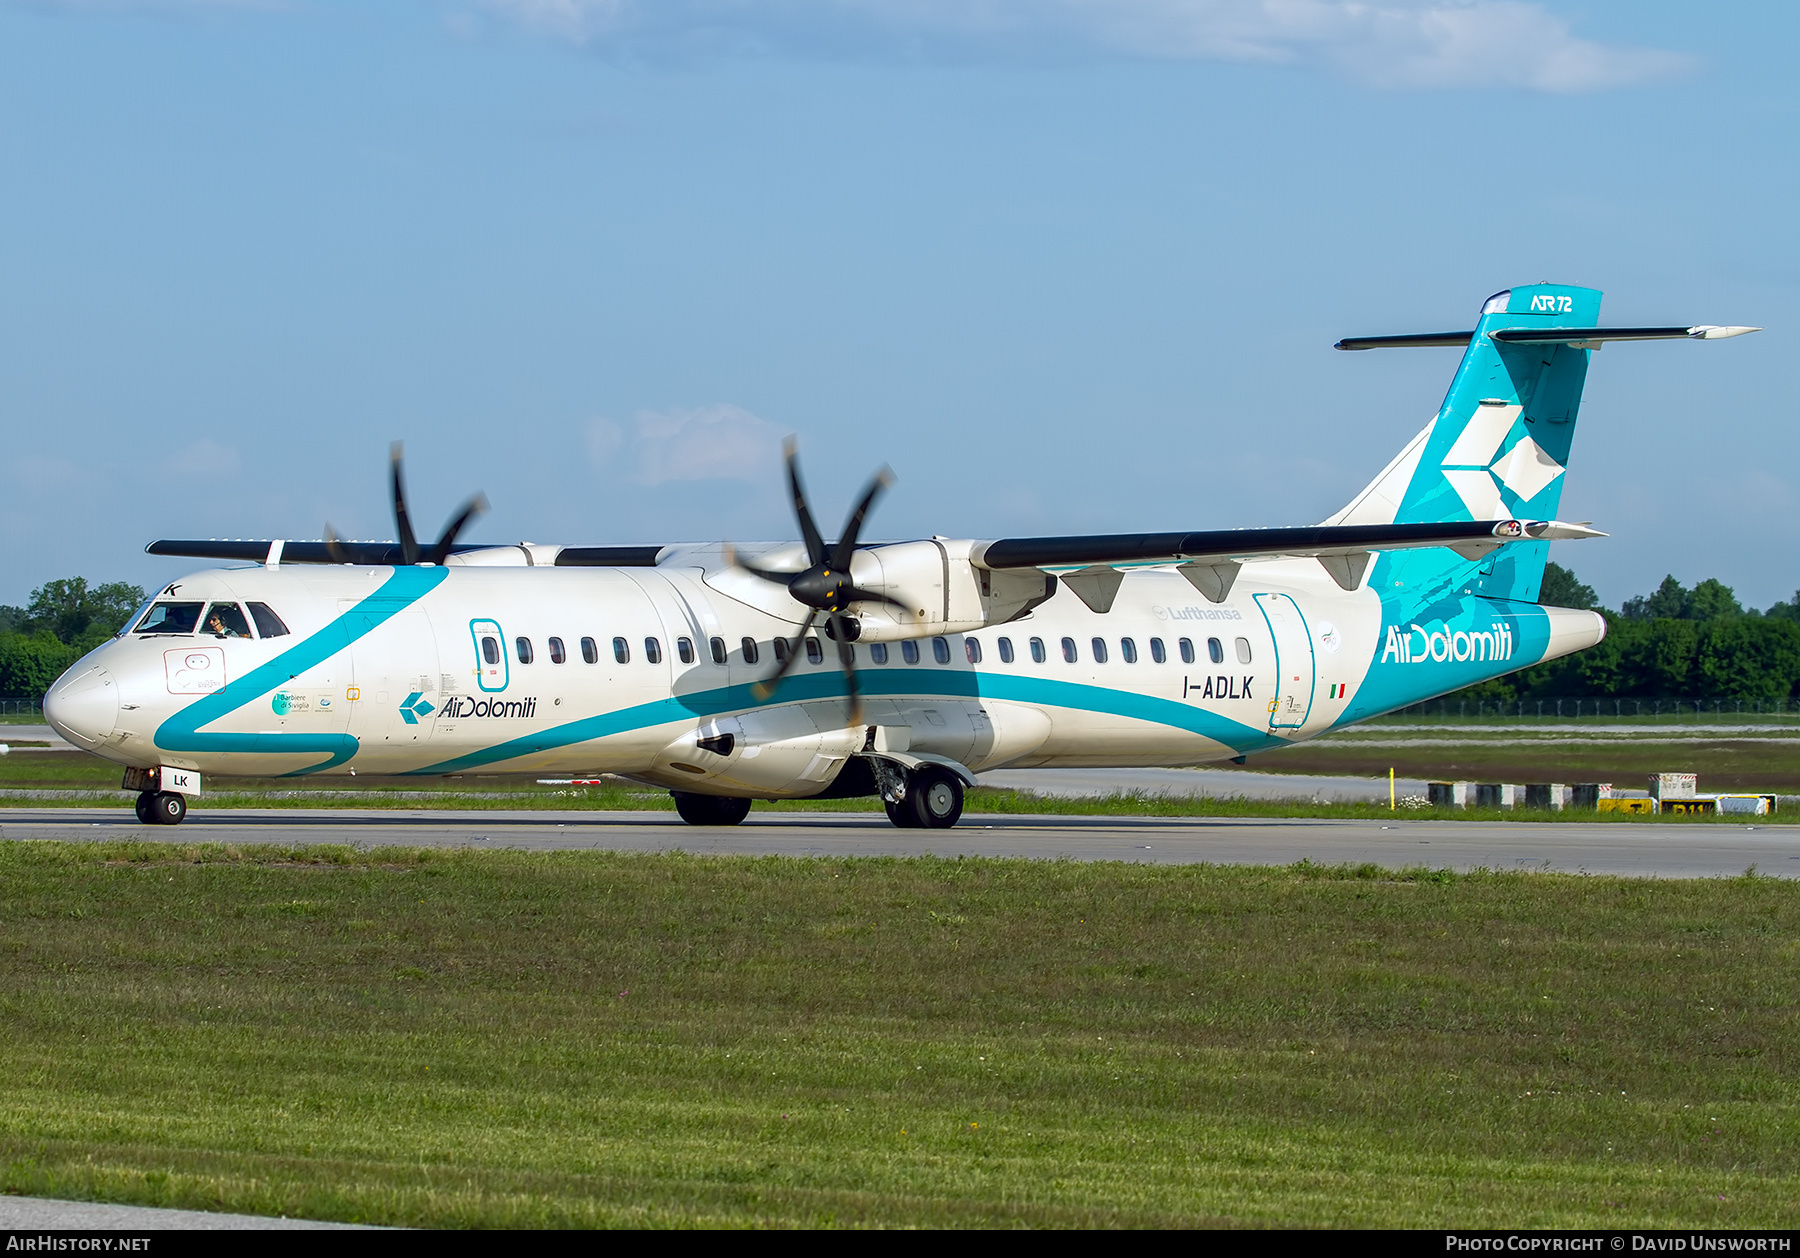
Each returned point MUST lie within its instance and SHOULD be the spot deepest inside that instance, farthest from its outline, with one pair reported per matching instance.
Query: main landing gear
(710, 810)
(933, 800)
(161, 808)
(929, 797)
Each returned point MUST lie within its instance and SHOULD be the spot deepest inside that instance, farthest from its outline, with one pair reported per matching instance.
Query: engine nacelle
(941, 590)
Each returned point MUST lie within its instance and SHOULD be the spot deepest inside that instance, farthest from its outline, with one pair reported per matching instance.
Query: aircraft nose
(83, 706)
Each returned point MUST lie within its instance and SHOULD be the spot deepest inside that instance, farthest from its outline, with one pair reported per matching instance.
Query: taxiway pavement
(1626, 848)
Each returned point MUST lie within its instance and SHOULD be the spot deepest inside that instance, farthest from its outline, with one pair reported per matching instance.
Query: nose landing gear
(161, 808)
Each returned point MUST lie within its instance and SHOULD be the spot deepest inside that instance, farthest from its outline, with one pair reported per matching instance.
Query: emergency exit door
(1295, 668)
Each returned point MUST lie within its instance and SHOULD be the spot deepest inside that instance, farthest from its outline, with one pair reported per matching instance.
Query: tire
(144, 806)
(901, 814)
(936, 798)
(167, 808)
(710, 810)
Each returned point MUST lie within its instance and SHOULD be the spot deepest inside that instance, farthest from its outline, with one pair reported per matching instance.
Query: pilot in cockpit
(224, 620)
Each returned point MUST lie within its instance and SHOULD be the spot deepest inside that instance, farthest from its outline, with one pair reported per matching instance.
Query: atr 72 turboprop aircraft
(700, 668)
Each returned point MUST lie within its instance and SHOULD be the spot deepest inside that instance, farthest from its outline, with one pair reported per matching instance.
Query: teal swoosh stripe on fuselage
(181, 732)
(875, 685)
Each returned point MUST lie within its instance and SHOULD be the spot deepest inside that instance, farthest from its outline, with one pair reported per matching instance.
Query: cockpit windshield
(170, 618)
(226, 620)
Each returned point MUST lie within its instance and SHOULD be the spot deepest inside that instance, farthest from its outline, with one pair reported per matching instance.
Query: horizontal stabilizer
(1586, 338)
(1418, 340)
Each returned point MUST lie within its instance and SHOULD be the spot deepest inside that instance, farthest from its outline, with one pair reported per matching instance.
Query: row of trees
(1674, 642)
(64, 621)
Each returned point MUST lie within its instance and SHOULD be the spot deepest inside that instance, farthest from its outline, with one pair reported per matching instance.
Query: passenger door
(1295, 669)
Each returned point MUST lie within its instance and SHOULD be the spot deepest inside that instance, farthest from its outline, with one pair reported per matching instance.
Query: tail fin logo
(1552, 303)
(1477, 470)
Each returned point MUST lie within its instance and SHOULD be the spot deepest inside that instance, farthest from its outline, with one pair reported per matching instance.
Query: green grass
(509, 1038)
(1724, 764)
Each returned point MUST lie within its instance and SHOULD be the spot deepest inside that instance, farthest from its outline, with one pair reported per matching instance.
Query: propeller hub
(822, 587)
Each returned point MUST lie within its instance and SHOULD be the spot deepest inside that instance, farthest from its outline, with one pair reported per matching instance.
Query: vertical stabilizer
(1500, 442)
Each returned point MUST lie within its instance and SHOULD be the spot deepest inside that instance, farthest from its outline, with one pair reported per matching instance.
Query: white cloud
(715, 442)
(1386, 43)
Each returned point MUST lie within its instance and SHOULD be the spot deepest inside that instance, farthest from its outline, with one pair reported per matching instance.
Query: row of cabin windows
(1098, 651)
(878, 651)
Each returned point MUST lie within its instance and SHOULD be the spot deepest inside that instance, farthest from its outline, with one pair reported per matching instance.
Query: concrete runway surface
(33, 1214)
(1634, 850)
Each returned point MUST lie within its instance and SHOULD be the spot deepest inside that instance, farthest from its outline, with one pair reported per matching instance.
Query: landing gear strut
(710, 810)
(933, 800)
(161, 808)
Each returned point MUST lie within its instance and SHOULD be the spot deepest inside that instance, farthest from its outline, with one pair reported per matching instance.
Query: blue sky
(1067, 265)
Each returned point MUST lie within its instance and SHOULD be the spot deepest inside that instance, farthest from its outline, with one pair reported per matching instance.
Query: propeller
(409, 544)
(824, 586)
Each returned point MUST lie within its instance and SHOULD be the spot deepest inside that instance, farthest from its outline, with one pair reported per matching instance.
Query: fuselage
(650, 673)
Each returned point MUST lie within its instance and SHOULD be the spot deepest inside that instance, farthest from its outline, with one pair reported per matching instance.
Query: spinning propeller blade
(407, 541)
(825, 584)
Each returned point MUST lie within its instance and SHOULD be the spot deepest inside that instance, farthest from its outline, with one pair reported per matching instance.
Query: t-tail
(1497, 449)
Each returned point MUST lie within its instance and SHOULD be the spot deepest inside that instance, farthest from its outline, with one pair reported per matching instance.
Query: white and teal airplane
(701, 668)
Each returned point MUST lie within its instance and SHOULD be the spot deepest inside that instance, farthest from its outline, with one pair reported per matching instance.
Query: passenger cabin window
(909, 651)
(652, 651)
(719, 653)
(1128, 650)
(1243, 650)
(225, 620)
(1038, 655)
(557, 654)
(590, 651)
(1187, 650)
(972, 649)
(268, 624)
(684, 650)
(523, 647)
(170, 618)
(1006, 651)
(490, 650)
(751, 654)
(1099, 646)
(878, 652)
(1215, 650)
(1070, 655)
(781, 650)
(1158, 652)
(940, 650)
(621, 650)
(815, 653)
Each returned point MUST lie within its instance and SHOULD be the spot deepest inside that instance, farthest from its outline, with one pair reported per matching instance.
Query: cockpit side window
(268, 624)
(170, 618)
(226, 620)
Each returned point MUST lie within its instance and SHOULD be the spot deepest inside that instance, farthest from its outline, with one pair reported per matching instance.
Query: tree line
(1672, 643)
(63, 622)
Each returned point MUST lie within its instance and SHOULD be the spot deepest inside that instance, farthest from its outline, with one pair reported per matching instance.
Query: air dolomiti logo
(459, 707)
(1418, 644)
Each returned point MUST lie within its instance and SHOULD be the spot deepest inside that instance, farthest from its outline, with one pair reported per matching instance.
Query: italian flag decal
(1340, 691)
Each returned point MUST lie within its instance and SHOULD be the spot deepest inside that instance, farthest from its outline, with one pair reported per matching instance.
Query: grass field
(508, 1038)
(1625, 755)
